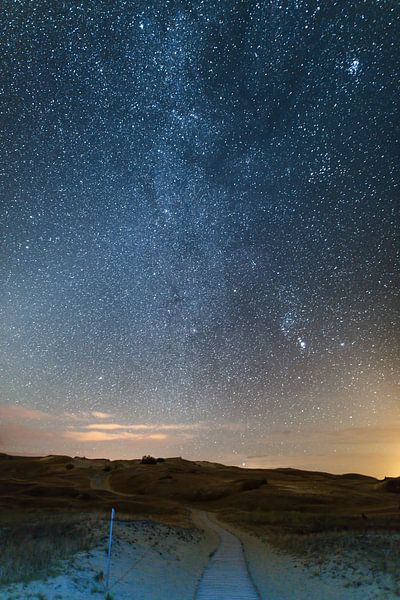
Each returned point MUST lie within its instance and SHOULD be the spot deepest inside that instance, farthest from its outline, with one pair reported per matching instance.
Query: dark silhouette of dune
(289, 499)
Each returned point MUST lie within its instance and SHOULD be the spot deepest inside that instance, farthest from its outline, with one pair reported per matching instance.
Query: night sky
(199, 223)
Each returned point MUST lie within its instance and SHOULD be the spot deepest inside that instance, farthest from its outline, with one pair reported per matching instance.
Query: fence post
(109, 548)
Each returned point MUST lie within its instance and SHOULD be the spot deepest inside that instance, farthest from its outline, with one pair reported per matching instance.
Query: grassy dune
(324, 520)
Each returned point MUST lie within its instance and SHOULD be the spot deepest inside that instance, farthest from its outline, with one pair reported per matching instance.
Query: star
(199, 224)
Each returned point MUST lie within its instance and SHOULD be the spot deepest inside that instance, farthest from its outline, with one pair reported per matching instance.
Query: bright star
(302, 343)
(354, 66)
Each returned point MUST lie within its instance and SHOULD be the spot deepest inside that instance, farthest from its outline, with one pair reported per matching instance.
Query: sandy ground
(150, 561)
(279, 576)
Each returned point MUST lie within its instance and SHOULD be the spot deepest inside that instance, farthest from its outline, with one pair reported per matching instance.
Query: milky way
(198, 202)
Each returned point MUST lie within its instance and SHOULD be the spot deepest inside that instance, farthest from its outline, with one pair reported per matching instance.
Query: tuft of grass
(33, 548)
(99, 576)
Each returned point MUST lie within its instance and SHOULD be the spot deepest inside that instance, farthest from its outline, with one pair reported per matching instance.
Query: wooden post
(109, 548)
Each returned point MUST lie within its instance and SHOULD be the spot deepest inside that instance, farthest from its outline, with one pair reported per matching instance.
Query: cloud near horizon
(17, 412)
(101, 415)
(149, 427)
(383, 434)
(102, 436)
(371, 450)
(30, 430)
(87, 416)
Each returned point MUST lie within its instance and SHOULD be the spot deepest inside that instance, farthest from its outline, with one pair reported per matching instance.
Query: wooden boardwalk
(226, 576)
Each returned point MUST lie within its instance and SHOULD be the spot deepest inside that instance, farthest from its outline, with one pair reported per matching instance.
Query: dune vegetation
(53, 507)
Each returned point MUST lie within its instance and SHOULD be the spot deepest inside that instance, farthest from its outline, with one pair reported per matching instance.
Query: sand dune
(325, 530)
(78, 483)
(150, 561)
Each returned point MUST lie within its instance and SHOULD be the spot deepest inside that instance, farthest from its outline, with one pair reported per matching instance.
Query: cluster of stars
(199, 211)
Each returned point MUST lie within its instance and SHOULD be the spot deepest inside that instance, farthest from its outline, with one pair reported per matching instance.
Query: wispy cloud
(368, 435)
(103, 436)
(148, 427)
(17, 413)
(82, 416)
(377, 434)
(105, 426)
(101, 415)
(19, 437)
(371, 450)
(31, 429)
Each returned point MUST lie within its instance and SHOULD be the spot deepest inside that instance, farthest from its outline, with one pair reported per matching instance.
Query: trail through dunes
(226, 576)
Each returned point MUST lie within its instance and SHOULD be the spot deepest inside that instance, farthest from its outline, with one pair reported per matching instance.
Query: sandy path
(226, 576)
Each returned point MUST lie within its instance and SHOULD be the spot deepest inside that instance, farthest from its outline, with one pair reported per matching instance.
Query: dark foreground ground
(321, 520)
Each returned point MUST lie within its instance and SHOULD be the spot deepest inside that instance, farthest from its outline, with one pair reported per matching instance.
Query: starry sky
(199, 224)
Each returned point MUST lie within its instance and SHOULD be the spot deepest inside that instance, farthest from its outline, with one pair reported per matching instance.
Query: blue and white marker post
(109, 548)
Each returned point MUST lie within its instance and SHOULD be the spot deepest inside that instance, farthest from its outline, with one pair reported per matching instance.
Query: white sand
(150, 561)
(279, 576)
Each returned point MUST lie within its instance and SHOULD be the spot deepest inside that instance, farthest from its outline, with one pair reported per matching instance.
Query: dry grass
(33, 547)
(357, 558)
(290, 521)
(318, 515)
(358, 551)
(298, 522)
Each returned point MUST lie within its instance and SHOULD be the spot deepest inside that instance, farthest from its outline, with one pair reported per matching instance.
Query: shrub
(69, 466)
(148, 460)
(392, 484)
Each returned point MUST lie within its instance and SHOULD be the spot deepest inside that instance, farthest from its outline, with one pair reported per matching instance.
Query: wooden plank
(226, 576)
